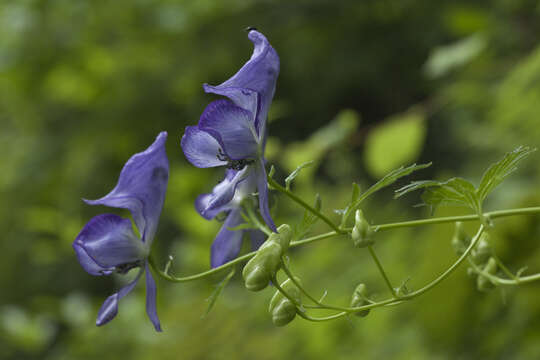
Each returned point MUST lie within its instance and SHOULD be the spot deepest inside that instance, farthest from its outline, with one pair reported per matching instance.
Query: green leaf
(387, 180)
(397, 141)
(443, 59)
(296, 172)
(496, 173)
(217, 291)
(456, 191)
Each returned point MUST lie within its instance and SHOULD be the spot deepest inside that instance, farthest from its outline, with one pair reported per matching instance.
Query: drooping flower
(228, 243)
(107, 244)
(232, 132)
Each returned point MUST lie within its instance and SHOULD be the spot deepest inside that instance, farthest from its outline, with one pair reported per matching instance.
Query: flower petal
(89, 264)
(262, 187)
(109, 309)
(151, 293)
(228, 243)
(141, 187)
(257, 238)
(201, 148)
(209, 205)
(232, 126)
(259, 74)
(107, 241)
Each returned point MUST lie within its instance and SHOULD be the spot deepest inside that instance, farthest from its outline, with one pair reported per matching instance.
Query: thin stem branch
(448, 271)
(304, 291)
(381, 270)
(448, 219)
(305, 205)
(255, 219)
(501, 281)
(239, 259)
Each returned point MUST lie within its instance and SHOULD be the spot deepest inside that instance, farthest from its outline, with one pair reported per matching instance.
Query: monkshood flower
(107, 244)
(228, 243)
(232, 133)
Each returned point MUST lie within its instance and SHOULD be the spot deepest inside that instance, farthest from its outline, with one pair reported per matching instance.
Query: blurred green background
(365, 86)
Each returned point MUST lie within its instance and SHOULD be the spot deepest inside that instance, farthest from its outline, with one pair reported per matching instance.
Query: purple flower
(107, 244)
(228, 243)
(232, 133)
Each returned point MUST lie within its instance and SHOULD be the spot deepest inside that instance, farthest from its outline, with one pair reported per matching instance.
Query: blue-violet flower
(232, 133)
(228, 243)
(107, 244)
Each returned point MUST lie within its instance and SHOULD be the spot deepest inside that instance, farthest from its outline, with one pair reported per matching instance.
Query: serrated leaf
(456, 191)
(387, 180)
(295, 173)
(217, 291)
(497, 172)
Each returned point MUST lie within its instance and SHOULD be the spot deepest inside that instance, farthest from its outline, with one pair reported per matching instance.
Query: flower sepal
(282, 309)
(263, 266)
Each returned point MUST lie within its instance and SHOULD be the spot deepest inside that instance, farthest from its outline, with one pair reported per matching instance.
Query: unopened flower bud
(261, 268)
(284, 312)
(482, 282)
(361, 232)
(282, 237)
(483, 250)
(359, 299)
(282, 309)
(460, 240)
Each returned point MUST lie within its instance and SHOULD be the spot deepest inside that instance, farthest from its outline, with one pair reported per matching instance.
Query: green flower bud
(359, 299)
(483, 251)
(482, 282)
(284, 312)
(261, 268)
(282, 309)
(361, 232)
(282, 237)
(460, 240)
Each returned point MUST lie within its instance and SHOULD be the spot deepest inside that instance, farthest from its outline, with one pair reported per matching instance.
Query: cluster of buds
(262, 267)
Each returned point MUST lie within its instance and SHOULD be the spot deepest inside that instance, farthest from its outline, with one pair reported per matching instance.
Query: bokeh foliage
(85, 84)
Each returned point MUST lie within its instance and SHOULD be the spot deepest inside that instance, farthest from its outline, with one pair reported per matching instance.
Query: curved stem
(239, 259)
(305, 205)
(299, 311)
(500, 281)
(381, 227)
(448, 271)
(304, 291)
(255, 219)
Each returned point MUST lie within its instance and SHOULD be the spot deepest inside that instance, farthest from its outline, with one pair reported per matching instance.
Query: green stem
(304, 291)
(448, 219)
(255, 219)
(500, 281)
(448, 271)
(381, 227)
(381, 270)
(305, 205)
(239, 259)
